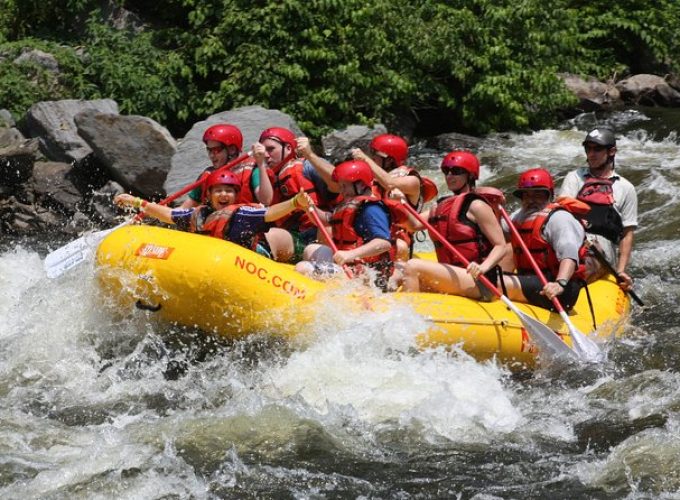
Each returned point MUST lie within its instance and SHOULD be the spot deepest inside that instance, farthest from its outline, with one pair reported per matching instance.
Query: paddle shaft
(329, 240)
(603, 260)
(525, 249)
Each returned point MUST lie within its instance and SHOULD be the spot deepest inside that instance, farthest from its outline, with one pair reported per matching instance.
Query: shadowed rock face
(136, 151)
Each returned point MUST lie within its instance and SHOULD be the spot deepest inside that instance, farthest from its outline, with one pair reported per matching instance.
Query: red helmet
(229, 135)
(462, 159)
(535, 178)
(353, 171)
(279, 134)
(391, 145)
(222, 178)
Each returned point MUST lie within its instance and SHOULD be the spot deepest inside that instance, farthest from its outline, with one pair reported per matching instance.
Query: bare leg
(281, 244)
(428, 276)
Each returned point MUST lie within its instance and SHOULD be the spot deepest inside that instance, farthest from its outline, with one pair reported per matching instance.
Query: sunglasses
(594, 147)
(454, 171)
(214, 149)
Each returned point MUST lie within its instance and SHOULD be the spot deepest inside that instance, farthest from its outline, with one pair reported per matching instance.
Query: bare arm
(300, 201)
(265, 191)
(407, 184)
(324, 167)
(481, 213)
(374, 247)
(625, 250)
(160, 212)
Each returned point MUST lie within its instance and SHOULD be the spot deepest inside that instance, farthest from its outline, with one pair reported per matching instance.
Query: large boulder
(135, 150)
(337, 144)
(191, 157)
(52, 122)
(593, 94)
(649, 90)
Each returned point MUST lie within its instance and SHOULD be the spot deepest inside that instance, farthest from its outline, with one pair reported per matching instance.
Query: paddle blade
(584, 347)
(550, 345)
(70, 255)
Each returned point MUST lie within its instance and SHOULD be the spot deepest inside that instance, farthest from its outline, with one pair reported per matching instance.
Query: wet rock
(136, 151)
(53, 123)
(649, 90)
(16, 157)
(593, 94)
(54, 188)
(600, 435)
(451, 141)
(191, 158)
(337, 144)
(101, 203)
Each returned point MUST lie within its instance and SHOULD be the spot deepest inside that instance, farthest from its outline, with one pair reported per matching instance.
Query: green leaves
(487, 64)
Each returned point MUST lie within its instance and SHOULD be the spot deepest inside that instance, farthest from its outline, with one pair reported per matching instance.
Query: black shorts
(532, 286)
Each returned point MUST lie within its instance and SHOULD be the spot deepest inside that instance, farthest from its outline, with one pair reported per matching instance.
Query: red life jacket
(531, 232)
(290, 180)
(215, 223)
(346, 237)
(603, 219)
(451, 221)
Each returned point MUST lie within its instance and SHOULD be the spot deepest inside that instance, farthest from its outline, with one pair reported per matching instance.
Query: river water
(101, 403)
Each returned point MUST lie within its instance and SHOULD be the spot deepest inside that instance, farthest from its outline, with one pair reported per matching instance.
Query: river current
(101, 403)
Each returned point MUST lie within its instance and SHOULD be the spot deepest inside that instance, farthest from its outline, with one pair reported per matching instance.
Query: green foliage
(488, 64)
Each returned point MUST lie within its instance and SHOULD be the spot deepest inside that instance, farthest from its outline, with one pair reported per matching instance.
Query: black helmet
(601, 136)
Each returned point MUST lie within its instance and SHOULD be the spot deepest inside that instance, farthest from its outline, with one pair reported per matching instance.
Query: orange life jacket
(451, 221)
(603, 218)
(215, 223)
(531, 232)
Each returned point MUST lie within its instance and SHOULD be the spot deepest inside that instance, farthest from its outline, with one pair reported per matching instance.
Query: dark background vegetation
(448, 65)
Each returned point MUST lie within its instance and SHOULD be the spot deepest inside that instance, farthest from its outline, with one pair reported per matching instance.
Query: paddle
(585, 347)
(549, 343)
(329, 240)
(603, 260)
(70, 255)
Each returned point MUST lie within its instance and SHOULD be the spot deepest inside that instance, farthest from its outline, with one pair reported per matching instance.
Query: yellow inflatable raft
(220, 287)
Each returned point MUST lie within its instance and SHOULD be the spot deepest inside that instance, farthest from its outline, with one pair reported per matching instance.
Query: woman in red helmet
(556, 240)
(469, 223)
(222, 217)
(224, 142)
(360, 228)
(396, 180)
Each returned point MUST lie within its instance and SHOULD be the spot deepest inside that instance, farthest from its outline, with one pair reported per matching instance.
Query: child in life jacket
(360, 229)
(221, 217)
(467, 221)
(394, 181)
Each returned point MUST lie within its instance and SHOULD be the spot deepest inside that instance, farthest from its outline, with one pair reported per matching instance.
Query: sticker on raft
(274, 279)
(528, 345)
(151, 251)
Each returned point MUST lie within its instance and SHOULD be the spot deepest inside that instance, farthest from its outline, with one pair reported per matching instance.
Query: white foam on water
(370, 365)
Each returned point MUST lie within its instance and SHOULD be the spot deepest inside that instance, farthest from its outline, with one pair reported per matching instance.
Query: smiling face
(222, 195)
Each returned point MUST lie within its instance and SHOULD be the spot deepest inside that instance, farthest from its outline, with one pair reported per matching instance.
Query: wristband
(137, 202)
(562, 282)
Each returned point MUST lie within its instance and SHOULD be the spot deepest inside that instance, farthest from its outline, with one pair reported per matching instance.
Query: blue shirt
(372, 221)
(321, 187)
